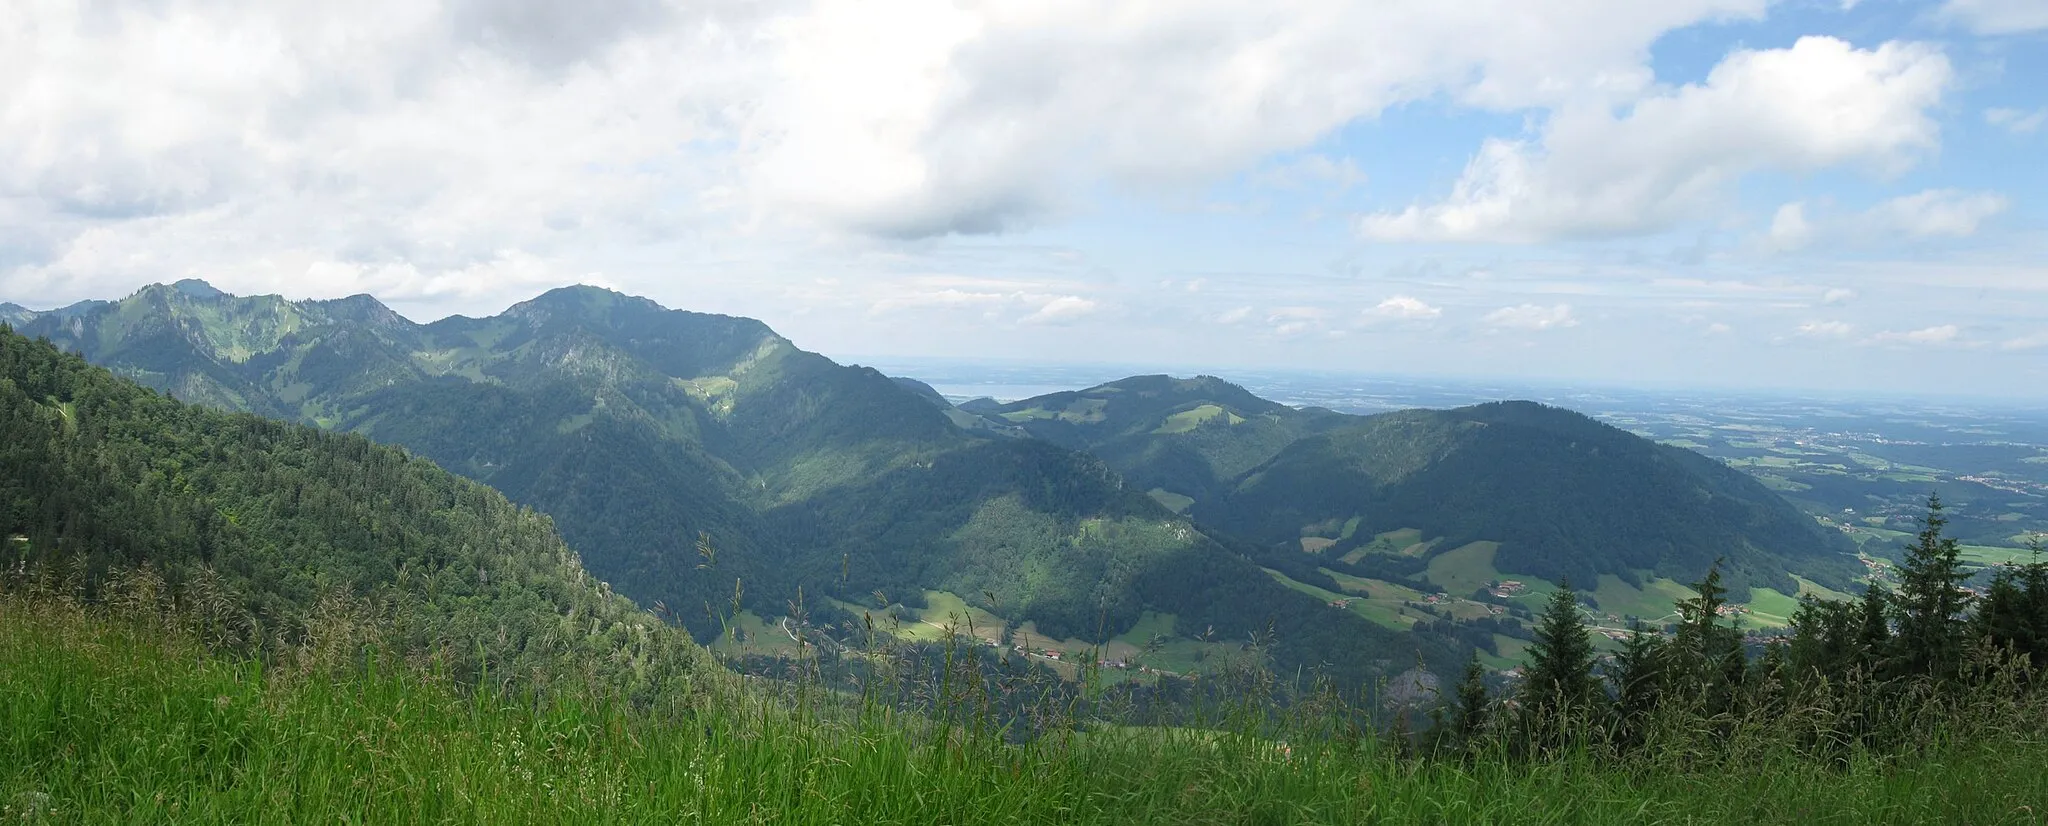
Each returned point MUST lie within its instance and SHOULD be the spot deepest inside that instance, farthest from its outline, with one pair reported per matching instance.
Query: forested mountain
(1182, 438)
(283, 534)
(1562, 494)
(645, 432)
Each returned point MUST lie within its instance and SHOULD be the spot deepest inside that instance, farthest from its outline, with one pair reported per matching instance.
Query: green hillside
(642, 430)
(282, 536)
(1562, 494)
(1187, 437)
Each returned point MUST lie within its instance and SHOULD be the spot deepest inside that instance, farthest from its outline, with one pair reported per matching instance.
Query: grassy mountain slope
(275, 529)
(640, 429)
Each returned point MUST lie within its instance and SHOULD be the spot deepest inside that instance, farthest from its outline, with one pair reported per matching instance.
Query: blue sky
(1822, 195)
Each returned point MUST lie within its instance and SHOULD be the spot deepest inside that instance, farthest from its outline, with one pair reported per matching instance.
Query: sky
(1826, 195)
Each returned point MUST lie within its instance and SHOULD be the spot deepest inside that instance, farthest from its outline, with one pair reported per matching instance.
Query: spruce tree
(1873, 629)
(1708, 654)
(1471, 711)
(1931, 601)
(1558, 683)
(1638, 676)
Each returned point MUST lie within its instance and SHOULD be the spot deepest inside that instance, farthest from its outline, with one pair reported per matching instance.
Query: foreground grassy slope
(105, 720)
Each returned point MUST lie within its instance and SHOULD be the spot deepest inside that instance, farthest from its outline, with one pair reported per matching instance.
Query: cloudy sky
(1818, 194)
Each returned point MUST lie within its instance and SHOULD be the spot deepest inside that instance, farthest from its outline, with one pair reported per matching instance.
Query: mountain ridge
(643, 430)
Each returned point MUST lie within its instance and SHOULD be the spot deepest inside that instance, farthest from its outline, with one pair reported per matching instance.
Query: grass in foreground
(104, 721)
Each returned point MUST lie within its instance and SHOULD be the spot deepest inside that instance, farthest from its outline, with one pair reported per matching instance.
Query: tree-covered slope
(271, 523)
(641, 430)
(1184, 437)
(1564, 495)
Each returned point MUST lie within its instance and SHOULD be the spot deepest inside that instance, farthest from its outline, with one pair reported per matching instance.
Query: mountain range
(700, 461)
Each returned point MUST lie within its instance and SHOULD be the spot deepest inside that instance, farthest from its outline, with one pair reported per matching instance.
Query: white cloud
(1818, 104)
(1933, 213)
(1937, 212)
(1997, 16)
(1719, 329)
(1789, 229)
(1312, 170)
(1837, 295)
(1402, 308)
(1062, 310)
(1825, 329)
(1293, 321)
(2016, 121)
(1531, 317)
(209, 135)
(2027, 342)
(1940, 334)
(1233, 316)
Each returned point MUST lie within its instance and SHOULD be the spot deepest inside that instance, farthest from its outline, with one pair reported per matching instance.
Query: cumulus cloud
(1997, 16)
(1837, 295)
(1825, 329)
(1939, 334)
(1234, 315)
(2027, 342)
(1531, 317)
(1402, 308)
(1820, 103)
(1789, 228)
(1294, 321)
(1933, 213)
(1937, 212)
(1030, 306)
(1062, 310)
(248, 141)
(1312, 170)
(2016, 121)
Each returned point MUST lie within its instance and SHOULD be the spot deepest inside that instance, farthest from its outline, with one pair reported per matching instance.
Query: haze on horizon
(1819, 194)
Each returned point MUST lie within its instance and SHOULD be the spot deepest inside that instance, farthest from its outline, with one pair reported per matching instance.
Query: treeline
(279, 539)
(1881, 672)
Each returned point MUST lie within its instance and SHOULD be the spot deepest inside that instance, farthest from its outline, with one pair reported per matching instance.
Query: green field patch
(1187, 420)
(1768, 608)
(1316, 544)
(1466, 568)
(755, 635)
(1376, 588)
(1810, 588)
(1401, 541)
(1377, 611)
(1654, 603)
(1990, 555)
(1350, 527)
(1176, 502)
(1780, 483)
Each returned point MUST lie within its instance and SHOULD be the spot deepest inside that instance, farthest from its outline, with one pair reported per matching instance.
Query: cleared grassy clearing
(1187, 420)
(1176, 502)
(1465, 569)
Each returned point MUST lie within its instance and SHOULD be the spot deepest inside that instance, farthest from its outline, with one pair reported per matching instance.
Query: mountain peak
(196, 288)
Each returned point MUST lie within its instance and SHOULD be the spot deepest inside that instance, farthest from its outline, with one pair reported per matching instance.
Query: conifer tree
(1708, 654)
(1559, 683)
(1873, 630)
(1931, 601)
(1471, 711)
(1639, 676)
